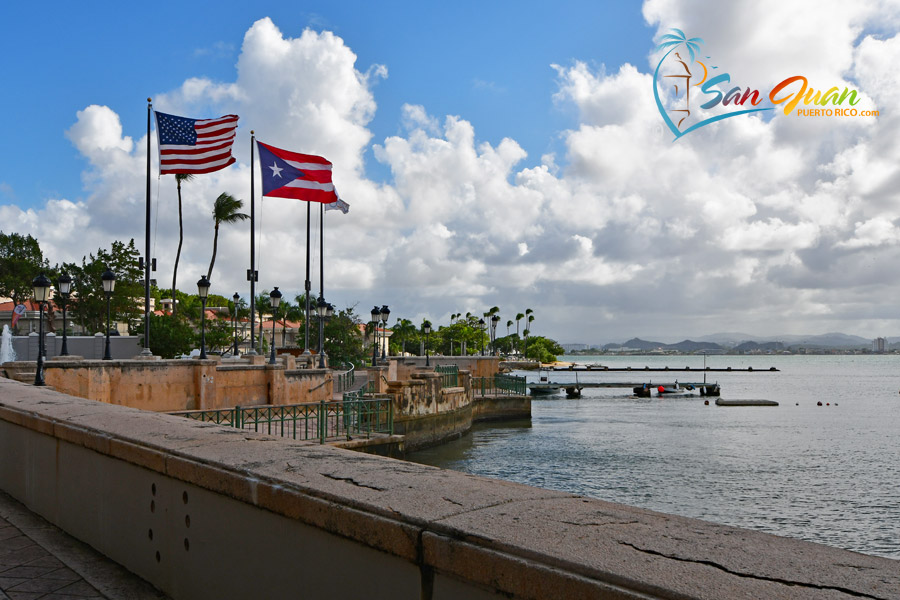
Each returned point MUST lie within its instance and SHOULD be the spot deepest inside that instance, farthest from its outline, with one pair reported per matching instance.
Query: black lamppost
(385, 313)
(41, 287)
(236, 298)
(322, 311)
(494, 320)
(481, 329)
(65, 287)
(203, 292)
(274, 300)
(109, 286)
(376, 316)
(426, 327)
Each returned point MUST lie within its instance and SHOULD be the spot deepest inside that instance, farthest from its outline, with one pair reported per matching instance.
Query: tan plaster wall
(175, 385)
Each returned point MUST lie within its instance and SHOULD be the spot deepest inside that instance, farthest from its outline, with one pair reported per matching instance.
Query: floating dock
(723, 402)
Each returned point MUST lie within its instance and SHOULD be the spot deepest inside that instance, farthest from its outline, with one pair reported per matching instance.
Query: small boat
(675, 390)
(543, 387)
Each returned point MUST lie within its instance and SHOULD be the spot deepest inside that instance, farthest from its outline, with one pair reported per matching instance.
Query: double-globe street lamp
(325, 311)
(109, 286)
(376, 317)
(41, 286)
(274, 300)
(426, 327)
(64, 284)
(203, 292)
(385, 313)
(236, 298)
(481, 329)
(494, 320)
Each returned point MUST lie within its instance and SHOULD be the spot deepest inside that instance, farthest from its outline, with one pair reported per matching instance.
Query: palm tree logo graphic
(677, 43)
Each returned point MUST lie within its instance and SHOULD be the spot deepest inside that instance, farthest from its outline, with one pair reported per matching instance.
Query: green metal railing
(449, 375)
(354, 416)
(499, 385)
(344, 381)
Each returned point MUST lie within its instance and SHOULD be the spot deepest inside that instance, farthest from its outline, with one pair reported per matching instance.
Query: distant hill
(765, 346)
(683, 346)
(742, 342)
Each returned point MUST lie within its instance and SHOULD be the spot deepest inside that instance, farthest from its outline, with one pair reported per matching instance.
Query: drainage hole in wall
(184, 497)
(152, 506)
(153, 489)
(187, 520)
(157, 556)
(187, 544)
(150, 534)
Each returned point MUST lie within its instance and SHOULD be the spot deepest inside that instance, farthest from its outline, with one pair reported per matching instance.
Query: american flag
(194, 145)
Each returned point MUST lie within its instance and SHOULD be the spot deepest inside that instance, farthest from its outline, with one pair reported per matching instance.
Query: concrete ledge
(214, 501)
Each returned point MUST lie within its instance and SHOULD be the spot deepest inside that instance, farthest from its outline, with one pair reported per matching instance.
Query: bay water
(827, 474)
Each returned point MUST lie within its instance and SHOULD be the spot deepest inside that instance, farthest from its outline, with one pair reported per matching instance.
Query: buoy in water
(661, 389)
(706, 402)
(819, 403)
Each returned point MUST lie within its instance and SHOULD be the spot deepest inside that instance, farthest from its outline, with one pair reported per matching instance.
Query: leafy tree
(170, 335)
(344, 340)
(88, 302)
(21, 261)
(226, 210)
(543, 349)
(179, 178)
(219, 334)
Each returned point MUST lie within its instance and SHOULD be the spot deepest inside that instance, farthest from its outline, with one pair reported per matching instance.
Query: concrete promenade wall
(203, 511)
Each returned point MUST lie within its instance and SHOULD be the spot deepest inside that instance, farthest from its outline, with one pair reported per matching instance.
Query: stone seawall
(427, 414)
(203, 511)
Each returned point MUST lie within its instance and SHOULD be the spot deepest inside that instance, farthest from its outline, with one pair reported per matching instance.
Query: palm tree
(225, 211)
(519, 317)
(179, 177)
(508, 325)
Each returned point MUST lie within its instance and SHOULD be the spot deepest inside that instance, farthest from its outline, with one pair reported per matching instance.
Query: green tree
(21, 261)
(179, 178)
(219, 334)
(226, 210)
(344, 339)
(170, 336)
(543, 349)
(88, 302)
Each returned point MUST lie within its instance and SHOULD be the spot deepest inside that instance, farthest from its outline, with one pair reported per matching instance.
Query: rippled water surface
(828, 474)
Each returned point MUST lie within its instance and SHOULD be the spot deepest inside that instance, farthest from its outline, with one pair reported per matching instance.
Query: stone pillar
(205, 384)
(277, 387)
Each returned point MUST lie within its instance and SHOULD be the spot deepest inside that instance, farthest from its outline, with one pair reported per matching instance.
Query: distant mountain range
(745, 342)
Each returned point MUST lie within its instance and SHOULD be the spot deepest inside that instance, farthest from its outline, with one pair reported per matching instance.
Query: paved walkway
(39, 561)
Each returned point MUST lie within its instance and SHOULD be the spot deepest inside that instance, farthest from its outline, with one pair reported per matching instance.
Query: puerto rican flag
(194, 146)
(298, 176)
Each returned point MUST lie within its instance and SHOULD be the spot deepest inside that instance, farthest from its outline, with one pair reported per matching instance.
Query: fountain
(7, 354)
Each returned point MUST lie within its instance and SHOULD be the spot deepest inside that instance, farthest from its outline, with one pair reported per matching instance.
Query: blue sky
(494, 154)
(487, 61)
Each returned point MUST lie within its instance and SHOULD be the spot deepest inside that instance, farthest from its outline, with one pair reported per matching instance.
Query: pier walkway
(39, 561)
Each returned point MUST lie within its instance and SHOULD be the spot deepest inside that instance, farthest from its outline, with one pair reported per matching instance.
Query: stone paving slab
(40, 562)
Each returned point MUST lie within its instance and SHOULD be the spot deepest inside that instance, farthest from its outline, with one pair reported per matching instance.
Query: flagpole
(321, 250)
(251, 274)
(146, 351)
(308, 286)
